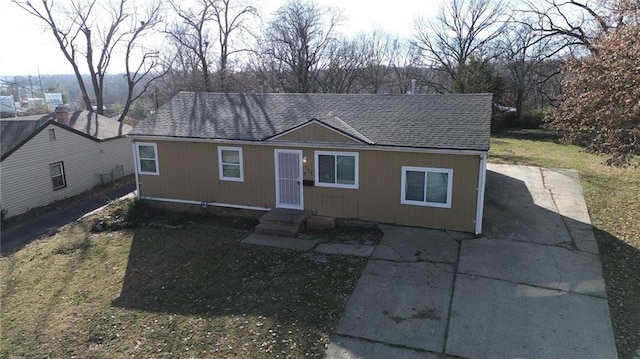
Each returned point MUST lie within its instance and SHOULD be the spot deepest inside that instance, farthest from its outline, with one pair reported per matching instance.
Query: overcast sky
(27, 48)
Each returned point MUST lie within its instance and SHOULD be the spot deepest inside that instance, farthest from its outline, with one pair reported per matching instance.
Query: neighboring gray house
(46, 158)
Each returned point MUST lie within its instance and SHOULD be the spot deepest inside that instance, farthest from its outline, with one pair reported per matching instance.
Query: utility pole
(40, 81)
(30, 86)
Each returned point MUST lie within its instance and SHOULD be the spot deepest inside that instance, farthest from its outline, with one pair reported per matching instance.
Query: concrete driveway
(530, 287)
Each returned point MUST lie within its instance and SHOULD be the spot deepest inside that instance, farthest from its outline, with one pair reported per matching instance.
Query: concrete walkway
(530, 287)
(310, 244)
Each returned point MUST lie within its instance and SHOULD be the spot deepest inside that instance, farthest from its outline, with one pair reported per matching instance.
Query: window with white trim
(336, 169)
(426, 186)
(52, 134)
(147, 154)
(58, 180)
(230, 166)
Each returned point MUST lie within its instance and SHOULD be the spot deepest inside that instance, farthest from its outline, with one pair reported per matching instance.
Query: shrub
(532, 118)
(139, 211)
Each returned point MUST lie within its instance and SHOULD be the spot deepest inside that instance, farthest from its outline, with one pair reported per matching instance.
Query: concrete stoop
(282, 222)
(280, 228)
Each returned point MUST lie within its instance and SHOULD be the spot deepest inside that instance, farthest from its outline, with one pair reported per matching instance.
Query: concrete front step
(286, 230)
(282, 222)
(285, 216)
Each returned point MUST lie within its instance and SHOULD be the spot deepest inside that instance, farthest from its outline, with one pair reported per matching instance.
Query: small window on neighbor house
(424, 186)
(230, 164)
(56, 170)
(147, 158)
(52, 134)
(336, 169)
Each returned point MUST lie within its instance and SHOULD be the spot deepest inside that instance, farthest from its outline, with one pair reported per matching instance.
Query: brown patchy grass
(153, 292)
(613, 199)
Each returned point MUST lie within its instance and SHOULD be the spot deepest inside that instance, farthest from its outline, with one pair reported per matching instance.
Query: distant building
(53, 99)
(7, 106)
(31, 102)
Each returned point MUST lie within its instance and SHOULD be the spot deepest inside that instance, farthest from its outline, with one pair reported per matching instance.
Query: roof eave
(309, 144)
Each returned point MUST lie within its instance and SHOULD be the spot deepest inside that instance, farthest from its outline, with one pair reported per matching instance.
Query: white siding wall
(25, 179)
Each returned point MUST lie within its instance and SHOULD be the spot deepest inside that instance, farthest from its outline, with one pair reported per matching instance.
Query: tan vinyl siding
(25, 177)
(189, 171)
(379, 193)
(316, 133)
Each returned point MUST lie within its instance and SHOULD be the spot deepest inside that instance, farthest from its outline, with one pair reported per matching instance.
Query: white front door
(289, 179)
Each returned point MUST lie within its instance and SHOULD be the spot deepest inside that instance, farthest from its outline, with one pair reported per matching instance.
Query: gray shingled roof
(452, 121)
(14, 132)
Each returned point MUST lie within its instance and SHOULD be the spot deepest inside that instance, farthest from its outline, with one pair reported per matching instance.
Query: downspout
(135, 166)
(482, 177)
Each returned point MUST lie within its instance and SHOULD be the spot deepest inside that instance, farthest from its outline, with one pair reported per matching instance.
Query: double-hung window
(230, 164)
(425, 186)
(56, 170)
(336, 169)
(147, 154)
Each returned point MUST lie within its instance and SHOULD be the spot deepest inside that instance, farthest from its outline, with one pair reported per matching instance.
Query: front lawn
(613, 199)
(158, 292)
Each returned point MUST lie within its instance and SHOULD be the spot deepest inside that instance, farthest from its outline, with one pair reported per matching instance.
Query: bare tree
(298, 37)
(148, 67)
(461, 29)
(345, 61)
(525, 63)
(270, 76)
(93, 32)
(377, 54)
(230, 17)
(405, 67)
(198, 26)
(192, 38)
(579, 23)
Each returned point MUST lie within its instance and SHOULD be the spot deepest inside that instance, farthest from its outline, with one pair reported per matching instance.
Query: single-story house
(416, 160)
(46, 158)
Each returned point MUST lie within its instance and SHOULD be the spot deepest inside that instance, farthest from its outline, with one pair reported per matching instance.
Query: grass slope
(613, 200)
(155, 292)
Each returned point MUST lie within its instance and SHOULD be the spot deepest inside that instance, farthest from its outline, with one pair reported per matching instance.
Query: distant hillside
(115, 89)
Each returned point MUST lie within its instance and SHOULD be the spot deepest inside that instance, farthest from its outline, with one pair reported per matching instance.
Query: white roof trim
(332, 145)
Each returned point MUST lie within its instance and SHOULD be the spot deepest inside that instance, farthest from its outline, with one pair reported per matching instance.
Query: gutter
(347, 146)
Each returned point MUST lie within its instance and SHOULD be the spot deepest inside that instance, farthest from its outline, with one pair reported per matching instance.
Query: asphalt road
(16, 235)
